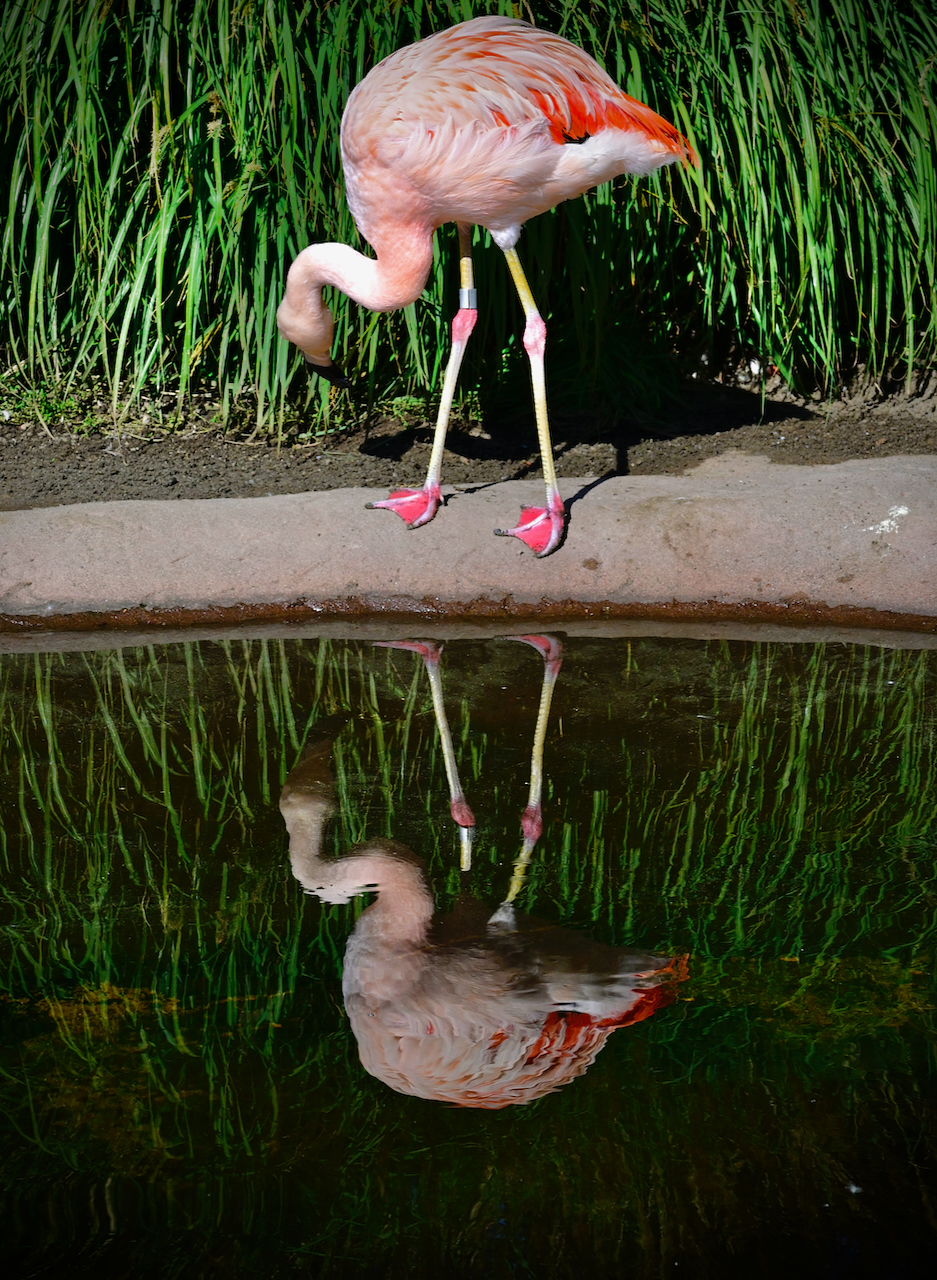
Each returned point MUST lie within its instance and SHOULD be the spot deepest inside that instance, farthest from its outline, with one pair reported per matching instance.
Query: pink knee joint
(535, 336)
(463, 322)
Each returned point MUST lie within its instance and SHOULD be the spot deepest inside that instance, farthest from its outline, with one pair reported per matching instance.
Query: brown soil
(43, 466)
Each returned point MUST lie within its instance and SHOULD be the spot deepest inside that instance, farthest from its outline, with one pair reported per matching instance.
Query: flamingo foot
(414, 506)
(541, 528)
(549, 648)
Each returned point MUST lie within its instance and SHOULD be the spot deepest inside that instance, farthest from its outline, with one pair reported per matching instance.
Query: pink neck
(394, 279)
(404, 906)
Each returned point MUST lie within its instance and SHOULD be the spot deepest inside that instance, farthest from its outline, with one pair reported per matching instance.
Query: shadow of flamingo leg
(418, 506)
(541, 528)
(462, 814)
(551, 651)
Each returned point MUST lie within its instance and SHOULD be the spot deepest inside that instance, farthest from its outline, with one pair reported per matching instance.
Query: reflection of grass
(813, 797)
(170, 1002)
(837, 999)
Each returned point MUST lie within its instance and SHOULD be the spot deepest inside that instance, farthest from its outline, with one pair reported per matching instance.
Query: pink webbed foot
(549, 648)
(414, 506)
(541, 528)
(429, 650)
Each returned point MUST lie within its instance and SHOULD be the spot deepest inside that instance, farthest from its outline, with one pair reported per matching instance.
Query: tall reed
(166, 161)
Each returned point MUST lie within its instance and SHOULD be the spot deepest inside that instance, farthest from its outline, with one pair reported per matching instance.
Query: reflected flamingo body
(488, 123)
(470, 1010)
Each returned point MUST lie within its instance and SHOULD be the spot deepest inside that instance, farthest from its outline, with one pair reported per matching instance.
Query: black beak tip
(332, 373)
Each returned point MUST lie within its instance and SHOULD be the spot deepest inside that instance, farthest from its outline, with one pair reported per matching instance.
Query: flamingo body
(491, 1018)
(463, 1011)
(488, 123)
(473, 1009)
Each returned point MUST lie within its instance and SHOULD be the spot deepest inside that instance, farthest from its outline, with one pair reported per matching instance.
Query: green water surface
(180, 1093)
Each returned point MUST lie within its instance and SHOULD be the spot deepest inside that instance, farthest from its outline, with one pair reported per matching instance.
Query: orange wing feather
(508, 73)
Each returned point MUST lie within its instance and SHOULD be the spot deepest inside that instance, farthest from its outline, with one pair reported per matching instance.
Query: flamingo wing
(499, 73)
(472, 124)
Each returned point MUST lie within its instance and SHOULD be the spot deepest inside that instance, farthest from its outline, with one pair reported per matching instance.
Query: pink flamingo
(486, 124)
(474, 1009)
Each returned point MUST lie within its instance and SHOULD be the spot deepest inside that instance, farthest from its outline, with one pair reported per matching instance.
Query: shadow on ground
(47, 466)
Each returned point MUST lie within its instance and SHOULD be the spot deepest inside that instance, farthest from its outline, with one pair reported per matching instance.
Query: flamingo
(475, 1009)
(487, 123)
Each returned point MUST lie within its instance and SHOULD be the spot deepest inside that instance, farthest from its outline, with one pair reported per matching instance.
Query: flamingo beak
(331, 372)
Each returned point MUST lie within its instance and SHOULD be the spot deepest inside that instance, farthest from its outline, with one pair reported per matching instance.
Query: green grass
(177, 1081)
(166, 161)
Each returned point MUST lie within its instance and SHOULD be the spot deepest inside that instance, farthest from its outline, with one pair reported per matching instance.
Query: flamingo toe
(414, 506)
(540, 529)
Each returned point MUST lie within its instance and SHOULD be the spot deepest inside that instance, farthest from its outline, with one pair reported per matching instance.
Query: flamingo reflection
(473, 1009)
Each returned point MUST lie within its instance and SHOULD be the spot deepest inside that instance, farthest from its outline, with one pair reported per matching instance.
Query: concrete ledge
(738, 531)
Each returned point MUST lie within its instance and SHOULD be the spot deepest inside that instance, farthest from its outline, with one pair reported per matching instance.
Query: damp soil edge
(793, 612)
(43, 465)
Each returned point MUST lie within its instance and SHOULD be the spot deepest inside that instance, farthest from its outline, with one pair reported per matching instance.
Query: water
(180, 1087)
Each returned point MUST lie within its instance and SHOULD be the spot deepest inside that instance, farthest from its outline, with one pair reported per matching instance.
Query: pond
(698, 1040)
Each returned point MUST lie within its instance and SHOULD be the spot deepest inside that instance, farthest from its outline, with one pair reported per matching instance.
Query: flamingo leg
(462, 814)
(541, 528)
(418, 506)
(532, 820)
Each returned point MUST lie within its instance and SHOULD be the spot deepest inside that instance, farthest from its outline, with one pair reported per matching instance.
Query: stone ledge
(854, 543)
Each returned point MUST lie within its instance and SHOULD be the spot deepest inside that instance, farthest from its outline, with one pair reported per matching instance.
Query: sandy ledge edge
(740, 538)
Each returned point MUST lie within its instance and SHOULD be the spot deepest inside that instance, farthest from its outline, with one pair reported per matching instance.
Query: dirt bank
(49, 465)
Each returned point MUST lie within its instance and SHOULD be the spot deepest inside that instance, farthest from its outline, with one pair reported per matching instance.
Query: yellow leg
(532, 821)
(462, 326)
(540, 528)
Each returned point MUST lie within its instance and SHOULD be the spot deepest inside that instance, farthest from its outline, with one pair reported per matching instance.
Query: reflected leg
(532, 820)
(462, 814)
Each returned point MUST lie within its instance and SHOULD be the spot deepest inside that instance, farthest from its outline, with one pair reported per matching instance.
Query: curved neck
(393, 279)
(404, 908)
